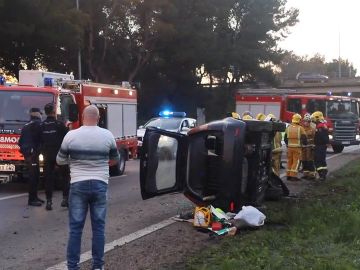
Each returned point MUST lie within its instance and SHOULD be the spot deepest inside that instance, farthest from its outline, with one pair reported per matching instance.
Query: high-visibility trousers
(294, 157)
(320, 160)
(308, 162)
(276, 162)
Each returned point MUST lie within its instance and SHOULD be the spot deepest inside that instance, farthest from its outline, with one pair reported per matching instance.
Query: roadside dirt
(164, 249)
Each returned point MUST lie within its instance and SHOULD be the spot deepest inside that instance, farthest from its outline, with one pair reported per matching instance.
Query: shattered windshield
(15, 106)
(337, 107)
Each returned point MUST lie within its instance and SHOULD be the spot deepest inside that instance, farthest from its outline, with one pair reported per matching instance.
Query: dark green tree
(39, 33)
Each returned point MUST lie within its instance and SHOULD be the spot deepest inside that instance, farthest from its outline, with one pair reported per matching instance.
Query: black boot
(40, 200)
(48, 205)
(34, 203)
(65, 202)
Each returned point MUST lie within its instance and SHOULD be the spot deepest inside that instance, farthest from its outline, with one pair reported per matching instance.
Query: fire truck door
(162, 163)
(115, 119)
(129, 116)
(260, 107)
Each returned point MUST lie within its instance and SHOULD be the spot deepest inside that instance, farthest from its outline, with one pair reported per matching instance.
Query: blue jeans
(84, 195)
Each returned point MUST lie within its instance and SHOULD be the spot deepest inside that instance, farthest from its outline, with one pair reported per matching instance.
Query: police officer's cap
(49, 108)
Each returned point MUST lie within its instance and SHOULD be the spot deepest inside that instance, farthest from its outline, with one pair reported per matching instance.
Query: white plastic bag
(251, 216)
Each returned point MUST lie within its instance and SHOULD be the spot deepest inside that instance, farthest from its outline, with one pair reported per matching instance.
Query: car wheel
(338, 148)
(119, 168)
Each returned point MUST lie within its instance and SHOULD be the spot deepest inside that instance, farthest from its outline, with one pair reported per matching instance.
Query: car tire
(338, 148)
(119, 168)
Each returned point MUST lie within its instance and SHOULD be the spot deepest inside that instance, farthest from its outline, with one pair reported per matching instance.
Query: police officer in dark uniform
(29, 144)
(52, 135)
(321, 140)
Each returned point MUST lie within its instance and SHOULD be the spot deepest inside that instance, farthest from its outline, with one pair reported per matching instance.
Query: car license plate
(7, 167)
(346, 142)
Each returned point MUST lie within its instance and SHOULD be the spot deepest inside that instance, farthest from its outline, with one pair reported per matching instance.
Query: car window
(294, 105)
(185, 123)
(314, 105)
(164, 123)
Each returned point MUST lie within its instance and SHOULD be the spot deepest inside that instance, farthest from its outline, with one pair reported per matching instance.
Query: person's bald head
(91, 116)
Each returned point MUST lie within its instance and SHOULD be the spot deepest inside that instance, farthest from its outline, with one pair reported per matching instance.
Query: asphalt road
(33, 238)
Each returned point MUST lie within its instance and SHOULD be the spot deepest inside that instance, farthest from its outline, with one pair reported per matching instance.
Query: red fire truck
(341, 112)
(117, 106)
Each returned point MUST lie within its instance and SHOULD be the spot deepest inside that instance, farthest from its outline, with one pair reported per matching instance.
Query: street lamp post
(79, 51)
(339, 58)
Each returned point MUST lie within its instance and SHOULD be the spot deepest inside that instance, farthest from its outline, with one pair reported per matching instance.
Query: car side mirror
(140, 127)
(73, 113)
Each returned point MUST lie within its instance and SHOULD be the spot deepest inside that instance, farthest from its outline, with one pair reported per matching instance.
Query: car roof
(161, 117)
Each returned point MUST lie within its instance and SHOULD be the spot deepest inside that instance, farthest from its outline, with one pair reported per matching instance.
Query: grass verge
(320, 230)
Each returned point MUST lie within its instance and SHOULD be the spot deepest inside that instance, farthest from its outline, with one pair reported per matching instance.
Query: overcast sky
(319, 26)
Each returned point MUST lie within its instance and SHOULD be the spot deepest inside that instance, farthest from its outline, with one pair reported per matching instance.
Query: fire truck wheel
(338, 148)
(119, 168)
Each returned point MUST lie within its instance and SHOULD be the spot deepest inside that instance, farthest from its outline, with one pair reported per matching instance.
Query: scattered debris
(251, 216)
(217, 222)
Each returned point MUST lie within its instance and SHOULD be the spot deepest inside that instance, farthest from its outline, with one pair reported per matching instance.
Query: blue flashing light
(2, 80)
(329, 93)
(48, 81)
(349, 94)
(167, 113)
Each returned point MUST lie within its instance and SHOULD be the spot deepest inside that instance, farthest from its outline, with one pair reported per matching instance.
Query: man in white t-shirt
(89, 150)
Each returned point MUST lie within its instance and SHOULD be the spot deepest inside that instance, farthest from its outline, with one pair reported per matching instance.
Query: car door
(205, 165)
(162, 162)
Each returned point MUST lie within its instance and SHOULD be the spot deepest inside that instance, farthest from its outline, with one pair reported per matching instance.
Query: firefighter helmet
(307, 117)
(271, 117)
(246, 113)
(296, 118)
(317, 116)
(235, 115)
(260, 116)
(247, 117)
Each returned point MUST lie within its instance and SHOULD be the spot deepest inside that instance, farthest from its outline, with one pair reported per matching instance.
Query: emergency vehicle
(117, 106)
(168, 120)
(341, 112)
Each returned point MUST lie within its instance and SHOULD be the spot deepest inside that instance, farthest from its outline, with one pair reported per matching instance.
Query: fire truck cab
(340, 112)
(117, 106)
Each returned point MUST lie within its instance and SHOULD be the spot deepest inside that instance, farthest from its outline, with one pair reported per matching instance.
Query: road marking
(119, 242)
(25, 194)
(13, 196)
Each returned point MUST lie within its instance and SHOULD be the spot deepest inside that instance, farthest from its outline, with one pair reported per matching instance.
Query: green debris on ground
(318, 230)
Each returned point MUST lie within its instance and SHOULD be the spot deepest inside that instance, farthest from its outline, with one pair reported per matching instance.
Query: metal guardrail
(330, 83)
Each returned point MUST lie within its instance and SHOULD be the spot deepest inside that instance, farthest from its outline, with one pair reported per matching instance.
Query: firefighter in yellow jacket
(295, 138)
(308, 150)
(276, 147)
